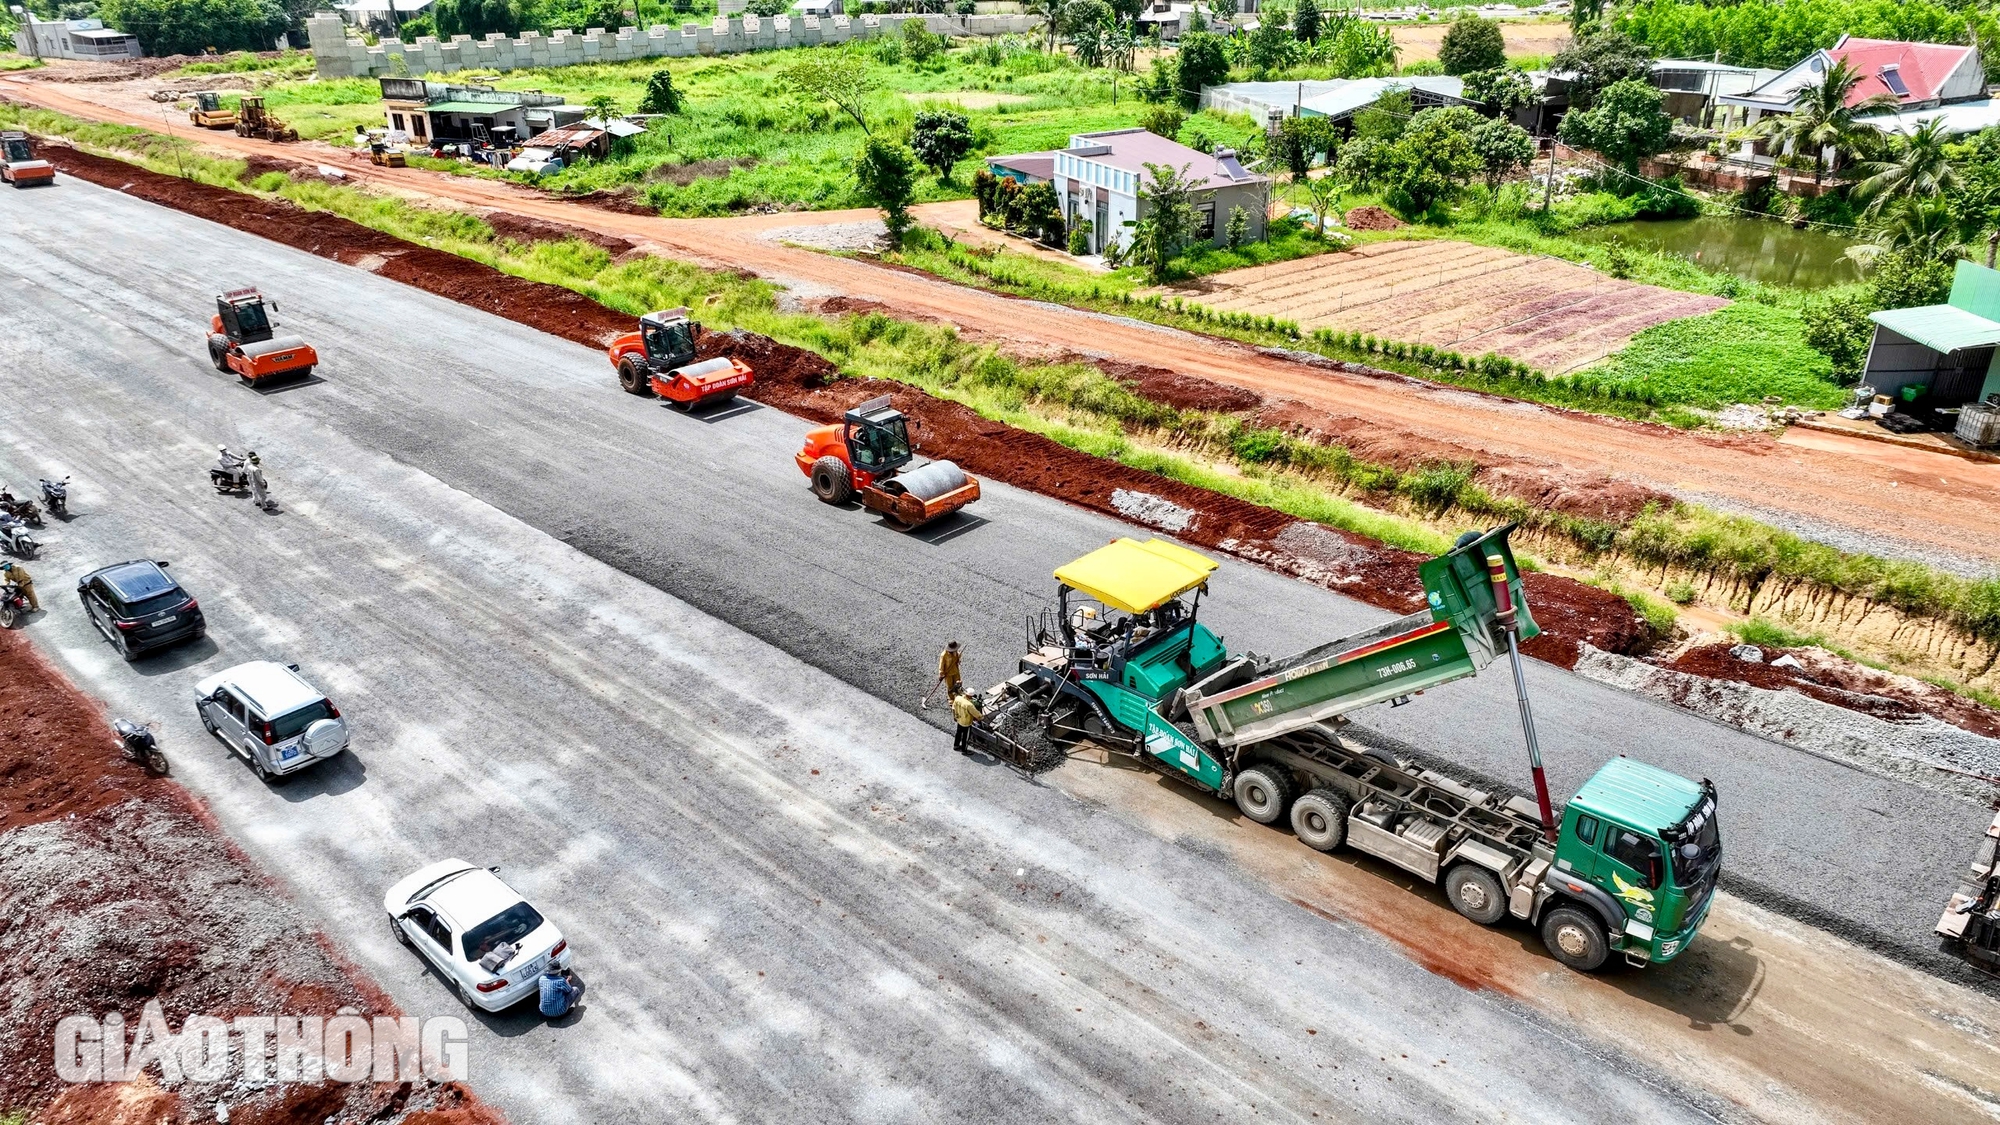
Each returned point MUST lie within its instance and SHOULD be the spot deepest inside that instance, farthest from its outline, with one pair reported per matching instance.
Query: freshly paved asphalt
(631, 728)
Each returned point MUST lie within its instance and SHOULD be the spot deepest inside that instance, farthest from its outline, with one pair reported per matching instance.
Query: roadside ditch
(118, 888)
(1576, 616)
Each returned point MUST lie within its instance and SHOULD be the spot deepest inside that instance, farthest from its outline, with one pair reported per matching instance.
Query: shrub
(941, 138)
(661, 97)
(1163, 120)
(1470, 45)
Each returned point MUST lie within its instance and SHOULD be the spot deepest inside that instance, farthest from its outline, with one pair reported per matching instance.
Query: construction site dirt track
(804, 383)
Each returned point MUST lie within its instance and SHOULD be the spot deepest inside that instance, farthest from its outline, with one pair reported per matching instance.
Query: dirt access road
(789, 902)
(1849, 491)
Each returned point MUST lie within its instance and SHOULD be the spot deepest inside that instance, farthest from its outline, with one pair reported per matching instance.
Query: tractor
(867, 454)
(18, 165)
(658, 359)
(240, 339)
(253, 120)
(209, 113)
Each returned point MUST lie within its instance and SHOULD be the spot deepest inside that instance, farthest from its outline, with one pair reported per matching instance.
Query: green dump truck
(1122, 661)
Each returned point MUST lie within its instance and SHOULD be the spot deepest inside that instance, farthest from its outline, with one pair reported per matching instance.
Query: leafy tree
(941, 138)
(1039, 212)
(1301, 141)
(919, 45)
(1364, 161)
(1471, 45)
(1201, 62)
(765, 9)
(1623, 124)
(1166, 222)
(887, 174)
(1501, 91)
(1603, 60)
(1923, 226)
(1387, 118)
(1584, 15)
(1906, 279)
(1432, 160)
(1822, 119)
(830, 76)
(1238, 230)
(1271, 45)
(1362, 49)
(189, 27)
(1162, 84)
(1977, 200)
(602, 106)
(1163, 120)
(1306, 21)
(1502, 147)
(1839, 329)
(661, 97)
(1919, 167)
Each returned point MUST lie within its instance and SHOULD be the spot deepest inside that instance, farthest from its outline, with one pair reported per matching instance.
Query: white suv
(459, 916)
(271, 716)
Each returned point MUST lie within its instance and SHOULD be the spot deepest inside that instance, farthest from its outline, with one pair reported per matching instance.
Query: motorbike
(13, 604)
(231, 473)
(140, 745)
(55, 494)
(21, 508)
(15, 535)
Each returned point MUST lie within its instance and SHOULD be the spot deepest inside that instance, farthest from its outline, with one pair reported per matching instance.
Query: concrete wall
(337, 56)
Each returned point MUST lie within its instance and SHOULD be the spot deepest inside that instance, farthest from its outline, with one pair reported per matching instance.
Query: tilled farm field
(1547, 313)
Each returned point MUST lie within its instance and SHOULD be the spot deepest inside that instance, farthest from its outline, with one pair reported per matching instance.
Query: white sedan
(459, 915)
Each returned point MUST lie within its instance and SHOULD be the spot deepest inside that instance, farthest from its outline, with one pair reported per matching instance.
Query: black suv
(138, 608)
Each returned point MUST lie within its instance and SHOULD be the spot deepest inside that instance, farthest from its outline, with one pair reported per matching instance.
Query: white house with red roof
(1097, 178)
(1918, 75)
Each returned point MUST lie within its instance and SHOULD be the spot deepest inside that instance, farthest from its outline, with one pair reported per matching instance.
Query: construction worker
(260, 491)
(966, 712)
(948, 670)
(558, 991)
(11, 571)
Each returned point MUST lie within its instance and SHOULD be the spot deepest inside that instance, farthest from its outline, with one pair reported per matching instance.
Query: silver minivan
(269, 715)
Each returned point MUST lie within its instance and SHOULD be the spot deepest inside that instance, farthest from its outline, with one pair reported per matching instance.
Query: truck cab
(1640, 850)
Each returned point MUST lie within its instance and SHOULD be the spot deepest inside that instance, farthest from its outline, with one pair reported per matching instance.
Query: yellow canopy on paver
(1135, 576)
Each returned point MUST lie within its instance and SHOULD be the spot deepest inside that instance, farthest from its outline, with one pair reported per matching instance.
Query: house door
(1101, 232)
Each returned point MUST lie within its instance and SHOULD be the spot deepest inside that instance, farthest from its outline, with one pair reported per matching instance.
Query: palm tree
(1821, 119)
(1917, 169)
(1924, 226)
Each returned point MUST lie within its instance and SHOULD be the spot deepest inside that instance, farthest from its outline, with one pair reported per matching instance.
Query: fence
(337, 56)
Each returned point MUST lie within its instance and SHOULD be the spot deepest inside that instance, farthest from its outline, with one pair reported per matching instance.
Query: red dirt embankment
(804, 383)
(116, 889)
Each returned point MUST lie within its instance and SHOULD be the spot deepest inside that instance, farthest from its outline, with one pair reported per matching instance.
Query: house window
(1205, 221)
(1892, 77)
(397, 120)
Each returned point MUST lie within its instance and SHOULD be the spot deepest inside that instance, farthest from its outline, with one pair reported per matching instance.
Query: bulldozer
(868, 454)
(253, 120)
(208, 112)
(658, 359)
(18, 164)
(242, 338)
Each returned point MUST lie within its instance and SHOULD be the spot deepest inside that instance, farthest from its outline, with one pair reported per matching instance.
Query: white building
(72, 39)
(1097, 178)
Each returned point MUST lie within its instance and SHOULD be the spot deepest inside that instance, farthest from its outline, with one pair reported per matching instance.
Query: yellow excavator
(209, 112)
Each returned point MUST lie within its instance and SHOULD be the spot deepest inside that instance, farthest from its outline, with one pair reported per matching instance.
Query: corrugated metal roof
(1941, 328)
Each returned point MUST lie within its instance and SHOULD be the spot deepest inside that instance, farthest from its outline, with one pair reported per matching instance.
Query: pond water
(1755, 249)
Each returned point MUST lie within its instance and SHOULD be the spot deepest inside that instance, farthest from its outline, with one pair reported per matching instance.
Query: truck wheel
(1476, 893)
(1576, 938)
(1319, 819)
(1263, 794)
(632, 379)
(830, 480)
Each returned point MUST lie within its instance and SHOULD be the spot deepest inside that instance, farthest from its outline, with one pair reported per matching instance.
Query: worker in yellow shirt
(14, 572)
(947, 675)
(966, 712)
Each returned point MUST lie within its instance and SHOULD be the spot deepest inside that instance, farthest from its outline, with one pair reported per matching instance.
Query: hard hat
(951, 645)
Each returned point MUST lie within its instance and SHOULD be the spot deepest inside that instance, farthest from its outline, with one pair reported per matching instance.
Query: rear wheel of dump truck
(1476, 893)
(1576, 938)
(830, 480)
(1263, 794)
(632, 379)
(1319, 819)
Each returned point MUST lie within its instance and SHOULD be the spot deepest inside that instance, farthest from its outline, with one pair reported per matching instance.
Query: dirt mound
(681, 175)
(804, 383)
(1372, 218)
(117, 889)
(624, 201)
(522, 229)
(1831, 678)
(257, 164)
(1182, 392)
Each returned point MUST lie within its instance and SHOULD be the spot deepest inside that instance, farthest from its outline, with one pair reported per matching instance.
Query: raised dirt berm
(335, 55)
(1551, 314)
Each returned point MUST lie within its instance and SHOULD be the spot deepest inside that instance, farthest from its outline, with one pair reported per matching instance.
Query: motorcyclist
(11, 571)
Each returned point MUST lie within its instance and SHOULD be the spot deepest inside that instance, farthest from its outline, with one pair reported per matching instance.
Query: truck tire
(1576, 938)
(218, 355)
(1263, 794)
(1476, 893)
(633, 380)
(830, 480)
(1319, 819)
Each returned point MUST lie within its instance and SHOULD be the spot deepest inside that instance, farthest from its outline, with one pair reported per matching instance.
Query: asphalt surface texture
(624, 654)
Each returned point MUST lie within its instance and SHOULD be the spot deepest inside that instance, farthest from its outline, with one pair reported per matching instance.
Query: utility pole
(1549, 181)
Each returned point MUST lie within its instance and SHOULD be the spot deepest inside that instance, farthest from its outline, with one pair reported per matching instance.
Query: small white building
(1097, 178)
(72, 39)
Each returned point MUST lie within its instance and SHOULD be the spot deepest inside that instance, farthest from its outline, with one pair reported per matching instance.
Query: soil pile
(1372, 218)
(117, 889)
(804, 383)
(522, 229)
(1182, 392)
(1831, 678)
